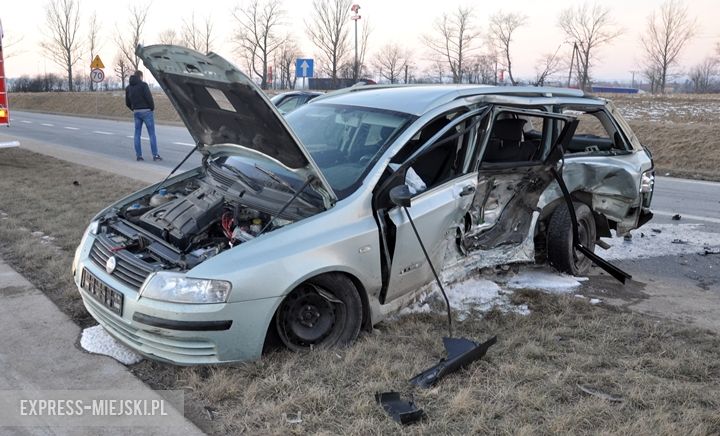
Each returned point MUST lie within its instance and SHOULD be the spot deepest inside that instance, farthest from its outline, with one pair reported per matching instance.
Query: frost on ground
(478, 294)
(96, 340)
(662, 240)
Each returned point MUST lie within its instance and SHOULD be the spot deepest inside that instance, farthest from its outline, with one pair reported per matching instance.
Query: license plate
(101, 292)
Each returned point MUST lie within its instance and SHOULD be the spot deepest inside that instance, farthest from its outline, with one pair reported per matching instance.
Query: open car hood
(226, 112)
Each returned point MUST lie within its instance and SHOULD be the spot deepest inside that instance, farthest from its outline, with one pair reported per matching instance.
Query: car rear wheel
(323, 312)
(561, 252)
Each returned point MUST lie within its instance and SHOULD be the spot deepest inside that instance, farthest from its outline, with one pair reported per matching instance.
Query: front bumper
(182, 334)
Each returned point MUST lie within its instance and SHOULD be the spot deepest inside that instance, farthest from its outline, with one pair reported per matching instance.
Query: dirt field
(682, 131)
(665, 376)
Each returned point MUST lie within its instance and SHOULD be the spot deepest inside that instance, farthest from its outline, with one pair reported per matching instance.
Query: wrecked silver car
(288, 230)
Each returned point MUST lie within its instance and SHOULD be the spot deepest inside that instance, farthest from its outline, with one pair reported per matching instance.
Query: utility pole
(355, 9)
(633, 77)
(573, 58)
(406, 74)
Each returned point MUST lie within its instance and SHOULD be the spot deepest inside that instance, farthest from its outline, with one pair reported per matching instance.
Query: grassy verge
(45, 205)
(667, 375)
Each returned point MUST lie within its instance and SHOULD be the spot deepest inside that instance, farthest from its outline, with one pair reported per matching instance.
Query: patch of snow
(96, 340)
(661, 240)
(595, 301)
(545, 281)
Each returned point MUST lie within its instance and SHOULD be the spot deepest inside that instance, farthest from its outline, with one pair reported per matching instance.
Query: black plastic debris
(76, 183)
(656, 230)
(679, 241)
(676, 217)
(461, 352)
(402, 411)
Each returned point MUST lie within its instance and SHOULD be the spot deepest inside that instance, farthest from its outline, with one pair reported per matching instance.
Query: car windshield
(346, 141)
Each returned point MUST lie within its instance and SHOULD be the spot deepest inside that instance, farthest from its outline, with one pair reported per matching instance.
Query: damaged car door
(515, 169)
(439, 165)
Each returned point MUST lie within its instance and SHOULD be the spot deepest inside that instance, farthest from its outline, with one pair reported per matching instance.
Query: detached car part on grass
(286, 231)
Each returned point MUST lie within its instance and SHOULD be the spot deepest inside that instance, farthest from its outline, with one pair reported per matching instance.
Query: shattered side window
(595, 132)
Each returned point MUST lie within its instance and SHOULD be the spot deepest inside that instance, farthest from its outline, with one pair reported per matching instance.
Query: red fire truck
(4, 112)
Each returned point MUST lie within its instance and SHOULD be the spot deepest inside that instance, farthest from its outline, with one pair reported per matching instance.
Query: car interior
(595, 132)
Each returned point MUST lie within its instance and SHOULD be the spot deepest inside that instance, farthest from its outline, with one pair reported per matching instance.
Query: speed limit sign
(97, 75)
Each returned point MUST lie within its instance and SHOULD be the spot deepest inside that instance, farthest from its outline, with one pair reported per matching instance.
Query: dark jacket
(137, 95)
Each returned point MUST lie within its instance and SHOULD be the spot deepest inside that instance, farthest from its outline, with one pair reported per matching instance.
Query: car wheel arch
(271, 337)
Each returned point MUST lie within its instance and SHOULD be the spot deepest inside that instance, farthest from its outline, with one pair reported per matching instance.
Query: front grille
(128, 270)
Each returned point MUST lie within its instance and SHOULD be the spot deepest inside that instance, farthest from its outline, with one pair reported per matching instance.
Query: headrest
(509, 129)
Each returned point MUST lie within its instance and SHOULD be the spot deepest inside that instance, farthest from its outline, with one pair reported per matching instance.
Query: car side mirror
(401, 196)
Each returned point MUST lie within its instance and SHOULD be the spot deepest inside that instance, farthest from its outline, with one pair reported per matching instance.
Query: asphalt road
(694, 200)
(113, 138)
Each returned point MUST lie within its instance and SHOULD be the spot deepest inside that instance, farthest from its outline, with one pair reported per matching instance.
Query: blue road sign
(304, 67)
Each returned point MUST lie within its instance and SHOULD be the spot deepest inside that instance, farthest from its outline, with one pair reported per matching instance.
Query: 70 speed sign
(97, 75)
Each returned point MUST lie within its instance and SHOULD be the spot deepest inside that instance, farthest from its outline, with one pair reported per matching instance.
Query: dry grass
(38, 201)
(682, 131)
(667, 374)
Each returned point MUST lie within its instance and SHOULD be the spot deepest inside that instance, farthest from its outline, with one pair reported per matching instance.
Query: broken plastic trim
(461, 352)
(402, 411)
(611, 269)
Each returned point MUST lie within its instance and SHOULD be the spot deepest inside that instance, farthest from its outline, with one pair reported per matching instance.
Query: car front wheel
(561, 252)
(323, 312)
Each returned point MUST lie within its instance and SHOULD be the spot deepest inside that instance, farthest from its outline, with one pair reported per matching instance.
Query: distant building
(614, 90)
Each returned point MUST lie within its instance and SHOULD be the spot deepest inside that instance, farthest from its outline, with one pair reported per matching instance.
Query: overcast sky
(402, 21)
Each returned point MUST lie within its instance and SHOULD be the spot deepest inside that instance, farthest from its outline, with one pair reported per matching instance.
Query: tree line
(457, 48)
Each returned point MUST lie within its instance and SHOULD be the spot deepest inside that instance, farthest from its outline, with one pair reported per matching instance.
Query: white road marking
(47, 125)
(184, 143)
(690, 217)
(71, 128)
(142, 137)
(668, 180)
(26, 121)
(100, 132)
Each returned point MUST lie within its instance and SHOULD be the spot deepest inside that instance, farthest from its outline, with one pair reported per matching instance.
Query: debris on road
(460, 353)
(676, 217)
(597, 393)
(402, 411)
(656, 230)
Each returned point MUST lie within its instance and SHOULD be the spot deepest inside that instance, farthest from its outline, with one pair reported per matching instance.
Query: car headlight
(647, 181)
(177, 288)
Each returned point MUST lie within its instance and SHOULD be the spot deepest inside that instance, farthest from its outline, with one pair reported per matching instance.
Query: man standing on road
(139, 100)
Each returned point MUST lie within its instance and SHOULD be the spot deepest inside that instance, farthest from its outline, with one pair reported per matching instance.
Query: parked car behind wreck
(287, 230)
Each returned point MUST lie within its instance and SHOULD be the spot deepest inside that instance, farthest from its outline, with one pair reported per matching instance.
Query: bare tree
(128, 42)
(391, 61)
(546, 66)
(363, 39)
(169, 37)
(589, 27)
(328, 31)
(288, 53)
(122, 69)
(502, 27)
(198, 35)
(9, 44)
(62, 44)
(93, 40)
(668, 31)
(480, 69)
(702, 75)
(259, 34)
(453, 38)
(653, 77)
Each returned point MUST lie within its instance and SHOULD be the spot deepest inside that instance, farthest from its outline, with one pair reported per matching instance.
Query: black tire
(323, 312)
(561, 253)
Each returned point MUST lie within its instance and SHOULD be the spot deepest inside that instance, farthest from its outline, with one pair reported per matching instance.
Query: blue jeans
(147, 118)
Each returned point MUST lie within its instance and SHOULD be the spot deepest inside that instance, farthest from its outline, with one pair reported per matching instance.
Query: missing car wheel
(323, 312)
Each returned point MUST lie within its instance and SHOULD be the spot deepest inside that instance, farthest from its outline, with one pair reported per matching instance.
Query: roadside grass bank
(682, 131)
(666, 375)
